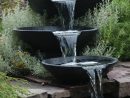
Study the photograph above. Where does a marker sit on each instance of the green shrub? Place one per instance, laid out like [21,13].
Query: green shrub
[112,19]
[11,46]
[116,32]
[105,19]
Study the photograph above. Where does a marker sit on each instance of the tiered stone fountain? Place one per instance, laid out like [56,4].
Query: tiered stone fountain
[70,69]
[76,67]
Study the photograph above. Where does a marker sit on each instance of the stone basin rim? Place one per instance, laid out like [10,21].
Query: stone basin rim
[42,29]
[112,62]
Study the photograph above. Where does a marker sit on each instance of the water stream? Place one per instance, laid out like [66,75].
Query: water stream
[68,40]
[95,76]
[70,5]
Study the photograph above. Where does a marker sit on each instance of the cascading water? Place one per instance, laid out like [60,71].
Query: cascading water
[70,4]
[95,76]
[68,41]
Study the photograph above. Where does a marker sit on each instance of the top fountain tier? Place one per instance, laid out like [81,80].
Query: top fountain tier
[81,7]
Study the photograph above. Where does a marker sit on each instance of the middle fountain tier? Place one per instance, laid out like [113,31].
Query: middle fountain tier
[44,40]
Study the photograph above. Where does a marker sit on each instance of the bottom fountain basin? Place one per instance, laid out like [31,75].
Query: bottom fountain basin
[74,74]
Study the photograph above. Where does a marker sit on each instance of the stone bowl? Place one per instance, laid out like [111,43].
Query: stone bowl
[71,74]
[43,39]
[81,7]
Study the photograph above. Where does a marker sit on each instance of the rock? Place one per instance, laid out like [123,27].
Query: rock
[121,74]
[125,64]
[38,91]
[37,94]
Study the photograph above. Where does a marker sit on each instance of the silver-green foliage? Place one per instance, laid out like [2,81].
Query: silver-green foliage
[105,18]
[10,45]
[30,62]
[100,50]
[21,17]
[88,20]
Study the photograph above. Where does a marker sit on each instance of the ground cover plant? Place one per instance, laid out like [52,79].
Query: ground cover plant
[7,90]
